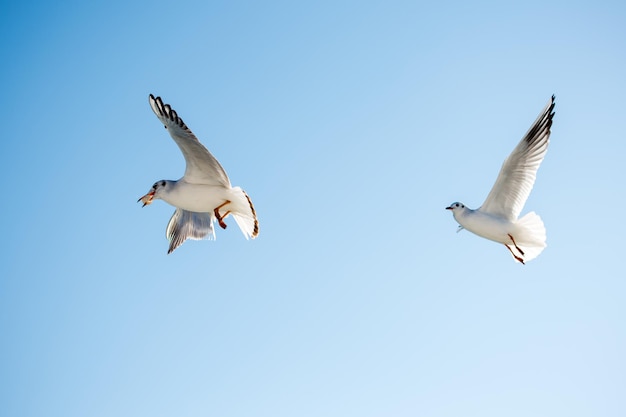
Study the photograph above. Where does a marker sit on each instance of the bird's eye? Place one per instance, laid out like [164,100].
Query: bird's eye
[162,183]
[456,205]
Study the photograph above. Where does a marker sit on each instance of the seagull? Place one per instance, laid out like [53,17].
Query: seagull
[203,194]
[497,219]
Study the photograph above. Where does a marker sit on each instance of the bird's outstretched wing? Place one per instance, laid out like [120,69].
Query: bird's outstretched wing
[202,167]
[519,170]
[188,225]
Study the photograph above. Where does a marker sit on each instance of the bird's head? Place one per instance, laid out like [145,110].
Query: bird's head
[455,207]
[155,192]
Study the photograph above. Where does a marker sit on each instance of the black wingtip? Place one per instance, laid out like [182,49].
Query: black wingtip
[165,110]
[550,110]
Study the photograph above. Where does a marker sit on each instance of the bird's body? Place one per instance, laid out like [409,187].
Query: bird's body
[485,225]
[204,194]
[525,238]
[497,219]
[199,198]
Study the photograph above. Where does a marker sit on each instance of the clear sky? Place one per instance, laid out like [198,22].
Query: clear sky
[351,125]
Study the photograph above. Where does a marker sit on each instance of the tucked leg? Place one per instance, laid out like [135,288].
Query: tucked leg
[220,218]
[517,258]
[515,244]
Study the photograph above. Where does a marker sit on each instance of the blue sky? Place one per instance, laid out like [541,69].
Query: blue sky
[351,125]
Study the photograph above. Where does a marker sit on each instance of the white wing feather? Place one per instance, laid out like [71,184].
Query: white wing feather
[519,170]
[202,167]
[189,225]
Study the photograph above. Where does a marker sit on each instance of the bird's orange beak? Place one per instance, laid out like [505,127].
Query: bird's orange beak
[147,199]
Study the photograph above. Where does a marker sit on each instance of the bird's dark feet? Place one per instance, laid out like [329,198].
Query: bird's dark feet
[515,244]
[220,218]
[517,258]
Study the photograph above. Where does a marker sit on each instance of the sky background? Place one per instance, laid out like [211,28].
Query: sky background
[351,125]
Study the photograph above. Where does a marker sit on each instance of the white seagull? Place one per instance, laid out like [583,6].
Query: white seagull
[203,194]
[497,218]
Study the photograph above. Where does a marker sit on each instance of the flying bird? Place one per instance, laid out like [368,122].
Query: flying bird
[497,219]
[203,194]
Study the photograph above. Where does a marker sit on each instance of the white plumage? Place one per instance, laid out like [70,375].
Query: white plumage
[497,219]
[203,194]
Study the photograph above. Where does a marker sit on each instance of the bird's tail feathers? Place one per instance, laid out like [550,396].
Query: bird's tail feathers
[531,236]
[243,211]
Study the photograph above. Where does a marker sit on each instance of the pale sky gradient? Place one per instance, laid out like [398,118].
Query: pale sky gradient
[351,125]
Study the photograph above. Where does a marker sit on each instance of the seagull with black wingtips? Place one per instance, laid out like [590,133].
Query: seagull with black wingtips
[204,194]
[497,219]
